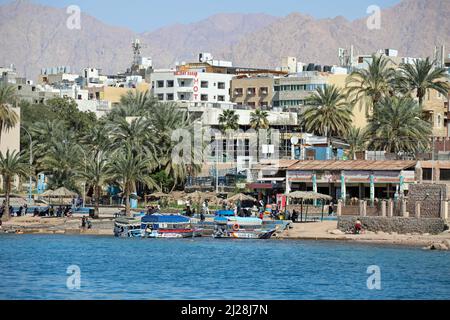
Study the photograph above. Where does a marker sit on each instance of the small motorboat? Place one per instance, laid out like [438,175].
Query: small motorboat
[241,228]
[167,226]
[126,227]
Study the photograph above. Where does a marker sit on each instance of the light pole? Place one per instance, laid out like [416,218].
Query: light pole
[30,187]
[84,182]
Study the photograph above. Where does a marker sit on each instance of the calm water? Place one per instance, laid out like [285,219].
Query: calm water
[35,266]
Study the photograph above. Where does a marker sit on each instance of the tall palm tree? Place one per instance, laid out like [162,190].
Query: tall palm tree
[229,120]
[96,171]
[372,84]
[422,76]
[328,114]
[8,117]
[164,121]
[259,120]
[12,164]
[357,140]
[128,167]
[396,126]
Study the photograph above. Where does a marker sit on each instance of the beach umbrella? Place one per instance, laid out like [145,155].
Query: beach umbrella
[63,193]
[240,197]
[308,195]
[47,193]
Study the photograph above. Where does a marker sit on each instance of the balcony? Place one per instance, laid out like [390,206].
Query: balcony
[238,92]
[251,91]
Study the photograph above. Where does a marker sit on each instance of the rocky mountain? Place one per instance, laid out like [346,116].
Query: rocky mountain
[35,36]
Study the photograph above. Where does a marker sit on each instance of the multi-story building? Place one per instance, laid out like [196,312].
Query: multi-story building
[254,92]
[194,87]
[291,91]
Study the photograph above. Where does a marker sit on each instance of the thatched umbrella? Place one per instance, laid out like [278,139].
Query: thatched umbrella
[63,193]
[241,197]
[308,195]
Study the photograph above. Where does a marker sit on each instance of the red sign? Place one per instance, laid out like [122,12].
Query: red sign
[186,73]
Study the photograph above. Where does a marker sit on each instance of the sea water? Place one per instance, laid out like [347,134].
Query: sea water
[88,267]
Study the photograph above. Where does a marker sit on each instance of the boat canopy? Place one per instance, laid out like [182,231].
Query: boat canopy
[225,213]
[238,220]
[158,218]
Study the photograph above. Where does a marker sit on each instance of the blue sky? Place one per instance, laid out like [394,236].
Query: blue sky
[147,15]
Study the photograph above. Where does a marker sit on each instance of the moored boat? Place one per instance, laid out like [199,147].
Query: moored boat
[167,226]
[241,228]
[126,227]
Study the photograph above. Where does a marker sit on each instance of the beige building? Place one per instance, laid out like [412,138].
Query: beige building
[10,140]
[113,94]
[256,91]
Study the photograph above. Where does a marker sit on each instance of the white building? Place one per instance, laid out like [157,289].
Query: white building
[194,87]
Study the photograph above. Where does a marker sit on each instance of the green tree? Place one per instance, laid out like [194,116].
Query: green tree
[8,117]
[328,114]
[12,164]
[96,171]
[372,84]
[357,140]
[229,120]
[422,76]
[396,126]
[128,167]
[259,119]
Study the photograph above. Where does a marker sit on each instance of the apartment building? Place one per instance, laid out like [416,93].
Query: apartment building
[194,87]
[291,91]
[255,92]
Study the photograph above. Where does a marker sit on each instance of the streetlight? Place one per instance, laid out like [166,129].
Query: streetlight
[30,188]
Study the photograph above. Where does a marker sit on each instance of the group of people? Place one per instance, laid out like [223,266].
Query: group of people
[85,223]
[153,209]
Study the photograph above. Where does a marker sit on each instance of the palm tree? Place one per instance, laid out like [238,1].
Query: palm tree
[328,114]
[8,117]
[259,120]
[129,167]
[423,76]
[96,171]
[396,126]
[165,120]
[229,120]
[12,164]
[357,140]
[372,84]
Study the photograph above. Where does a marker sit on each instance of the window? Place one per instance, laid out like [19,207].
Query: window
[169,97]
[204,84]
[33,89]
[252,104]
[204,97]
[264,104]
[19,88]
[427,174]
[251,91]
[221,98]
[221,85]
[444,174]
[160,97]
[160,84]
[264,91]
[169,83]
[238,91]
[79,97]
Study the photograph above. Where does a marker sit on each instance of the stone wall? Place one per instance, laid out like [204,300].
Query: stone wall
[400,225]
[429,196]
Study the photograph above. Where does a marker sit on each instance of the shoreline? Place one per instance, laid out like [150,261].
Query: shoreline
[320,231]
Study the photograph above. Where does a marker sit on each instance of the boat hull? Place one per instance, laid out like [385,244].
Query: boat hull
[245,235]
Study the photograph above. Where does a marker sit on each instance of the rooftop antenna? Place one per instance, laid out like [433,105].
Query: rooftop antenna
[136,46]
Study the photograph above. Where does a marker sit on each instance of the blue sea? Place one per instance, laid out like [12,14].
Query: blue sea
[84,267]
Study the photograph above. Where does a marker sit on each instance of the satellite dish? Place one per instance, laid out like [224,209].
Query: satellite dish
[294,140]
